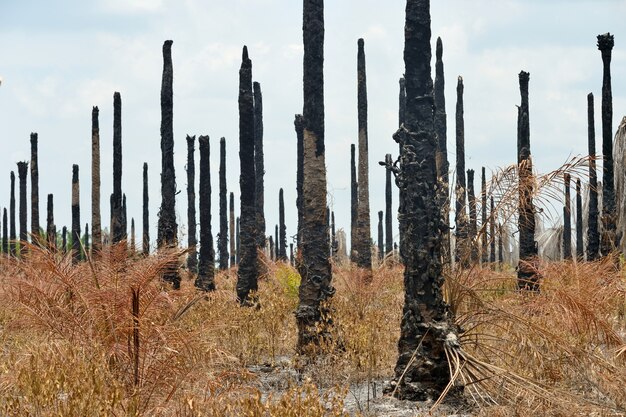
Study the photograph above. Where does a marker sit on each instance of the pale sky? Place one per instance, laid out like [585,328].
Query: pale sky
[61,58]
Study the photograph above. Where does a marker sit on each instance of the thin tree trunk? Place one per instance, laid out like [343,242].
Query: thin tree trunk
[299,126]
[22,173]
[86,239]
[354,206]
[492,233]
[96,226]
[364,250]
[333,237]
[580,256]
[64,240]
[5,233]
[608,241]
[259,169]
[527,277]
[483,224]
[312,314]
[473,218]
[276,244]
[222,239]
[12,232]
[146,217]
[388,215]
[167,236]
[462,247]
[50,223]
[117,220]
[248,272]
[34,189]
[381,237]
[192,256]
[271,245]
[291,254]
[593,235]
[237,243]
[124,218]
[282,247]
[206,268]
[567,220]
[422,370]
[75,215]
[232,231]
[500,247]
[133,242]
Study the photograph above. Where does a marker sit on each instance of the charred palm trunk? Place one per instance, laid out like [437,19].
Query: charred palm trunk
[492,233]
[232,230]
[206,268]
[64,240]
[22,172]
[354,206]
[291,254]
[168,229]
[500,247]
[146,222]
[34,188]
[299,126]
[75,215]
[441,157]
[388,215]
[124,218]
[237,244]
[527,277]
[462,246]
[593,235]
[364,255]
[248,272]
[381,237]
[12,232]
[567,221]
[401,118]
[609,236]
[282,247]
[333,237]
[271,246]
[222,239]
[483,224]
[117,214]
[473,218]
[259,168]
[96,227]
[50,232]
[5,232]
[312,315]
[192,256]
[579,223]
[276,244]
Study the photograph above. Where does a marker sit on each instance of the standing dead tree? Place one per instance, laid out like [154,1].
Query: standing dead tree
[192,255]
[259,165]
[483,200]
[282,229]
[401,118]
[146,222]
[567,220]
[232,229]
[222,237]
[50,229]
[593,234]
[34,189]
[206,268]
[388,209]
[22,172]
[5,232]
[12,231]
[76,250]
[473,219]
[96,225]
[462,247]
[118,229]
[381,237]
[579,223]
[492,232]
[354,205]
[299,126]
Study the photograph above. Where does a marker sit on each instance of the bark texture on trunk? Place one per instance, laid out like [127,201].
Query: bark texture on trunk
[96,222]
[462,245]
[167,236]
[567,220]
[401,118]
[473,218]
[22,173]
[222,238]
[50,232]
[282,235]
[146,216]
[593,234]
[259,164]
[312,315]
[232,230]
[34,189]
[354,206]
[333,237]
[364,250]
[527,276]
[299,126]
[192,241]
[75,215]
[117,214]
[580,254]
[206,268]
[5,232]
[422,370]
[388,214]
[608,241]
[492,232]
[248,273]
[12,231]
[483,224]
[381,237]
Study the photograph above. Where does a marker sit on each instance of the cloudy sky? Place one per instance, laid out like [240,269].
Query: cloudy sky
[61,58]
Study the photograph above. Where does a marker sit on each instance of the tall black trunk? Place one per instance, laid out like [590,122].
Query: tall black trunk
[133,242]
[192,256]
[117,215]
[473,218]
[64,240]
[579,223]
[167,233]
[527,277]
[75,215]
[500,246]
[232,230]
[483,224]
[492,232]
[381,237]
[50,232]
[124,218]
[282,237]
[96,225]
[34,188]
[567,220]
[462,247]
[354,206]
[593,234]
[333,237]
[5,232]
[22,172]
[276,244]
[388,215]
[12,232]
[248,272]
[222,238]
[315,288]
[401,118]
[237,244]
[608,241]
[299,126]
[422,370]
[146,217]
[259,168]
[271,246]
[206,268]
[291,253]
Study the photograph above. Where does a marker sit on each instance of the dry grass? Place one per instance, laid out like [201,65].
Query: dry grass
[73,345]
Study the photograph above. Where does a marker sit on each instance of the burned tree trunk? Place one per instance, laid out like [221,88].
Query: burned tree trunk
[291,254]
[299,126]
[527,277]
[483,224]
[167,236]
[34,189]
[271,246]
[315,289]
[75,215]
[64,240]
[248,272]
[206,268]
[50,232]
[608,241]
[401,118]
[593,234]
[462,247]
[5,233]
[282,236]
[567,220]
[422,369]
[579,223]
[117,214]
[237,244]
[276,244]
[146,222]
[12,232]
[96,227]
[232,230]
[259,168]
[222,239]
[333,237]
[22,172]
[500,246]
[441,156]
[388,215]
[473,219]
[354,206]
[364,251]
[381,237]
[86,239]
[192,256]
[133,242]
[124,218]
[492,233]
